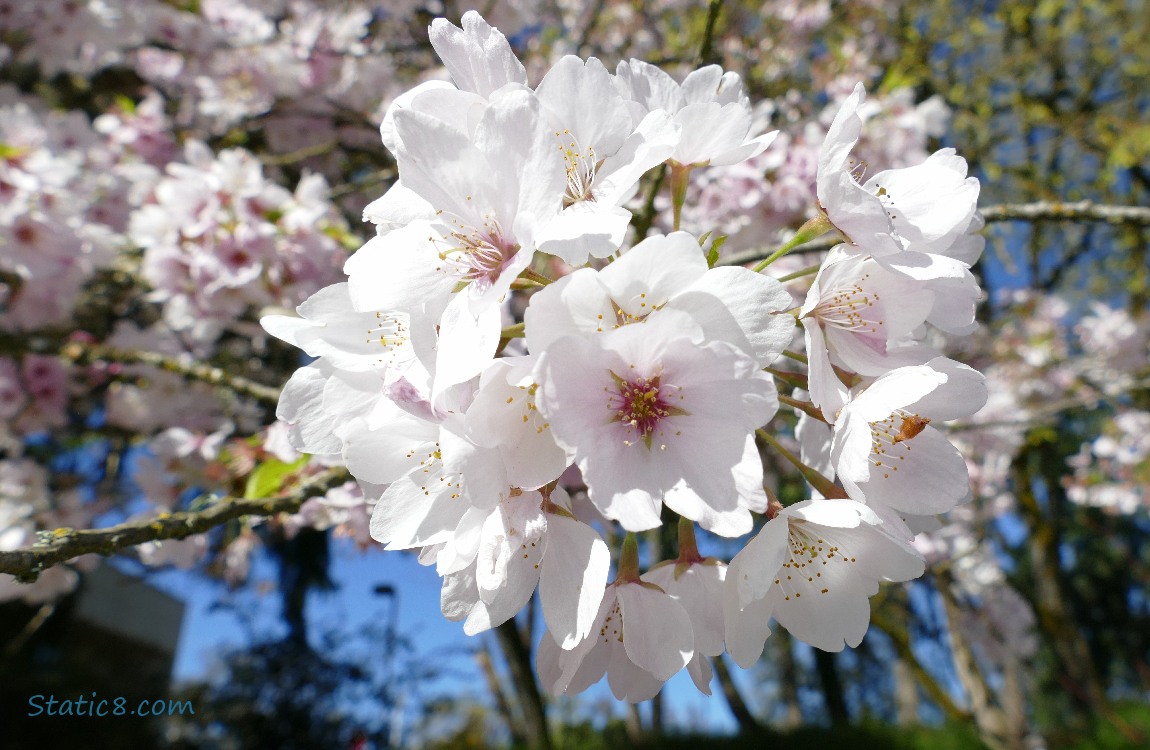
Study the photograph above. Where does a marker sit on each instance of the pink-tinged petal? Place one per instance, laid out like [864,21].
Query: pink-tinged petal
[285,327]
[929,203]
[484,615]
[520,148]
[504,417]
[586,663]
[821,595]
[955,304]
[713,504]
[573,579]
[649,146]
[649,85]
[897,389]
[702,84]
[836,513]
[829,623]
[699,588]
[383,456]
[815,444]
[387,132]
[399,271]
[513,546]
[842,135]
[748,474]
[968,247]
[658,636]
[859,354]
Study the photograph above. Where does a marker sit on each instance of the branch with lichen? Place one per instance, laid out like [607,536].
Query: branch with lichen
[64,544]
[79,353]
[1078,211]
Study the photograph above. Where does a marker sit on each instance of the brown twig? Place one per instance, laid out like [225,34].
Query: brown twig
[85,354]
[65,543]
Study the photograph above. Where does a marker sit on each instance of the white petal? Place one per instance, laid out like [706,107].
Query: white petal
[477,55]
[573,579]
[467,343]
[701,672]
[657,630]
[738,306]
[586,229]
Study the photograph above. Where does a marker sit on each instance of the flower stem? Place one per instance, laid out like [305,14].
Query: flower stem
[680,175]
[688,549]
[813,229]
[629,560]
[533,275]
[793,379]
[825,486]
[514,331]
[804,406]
[795,356]
[809,270]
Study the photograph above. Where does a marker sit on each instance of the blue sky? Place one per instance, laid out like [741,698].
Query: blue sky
[210,629]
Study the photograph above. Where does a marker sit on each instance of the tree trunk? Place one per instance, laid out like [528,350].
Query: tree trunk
[748,725]
[1075,662]
[832,687]
[518,655]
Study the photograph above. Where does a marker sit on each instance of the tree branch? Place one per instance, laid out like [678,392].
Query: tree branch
[85,354]
[65,543]
[1078,211]
[1040,211]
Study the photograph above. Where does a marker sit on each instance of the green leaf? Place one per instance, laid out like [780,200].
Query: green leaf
[713,251]
[268,478]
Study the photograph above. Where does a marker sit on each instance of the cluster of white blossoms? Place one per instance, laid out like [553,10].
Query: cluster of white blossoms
[643,366]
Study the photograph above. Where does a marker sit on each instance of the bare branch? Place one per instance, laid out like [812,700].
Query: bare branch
[1041,211]
[1078,211]
[64,543]
[86,354]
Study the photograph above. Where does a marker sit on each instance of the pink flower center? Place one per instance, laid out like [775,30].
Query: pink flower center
[642,404]
[477,256]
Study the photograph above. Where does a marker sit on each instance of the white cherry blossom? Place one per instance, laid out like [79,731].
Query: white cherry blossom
[886,451]
[861,316]
[709,105]
[639,638]
[665,273]
[654,414]
[812,568]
